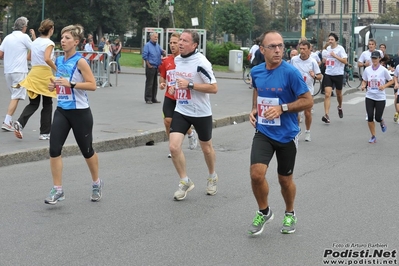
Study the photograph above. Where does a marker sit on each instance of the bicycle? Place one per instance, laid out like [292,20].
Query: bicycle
[246,76]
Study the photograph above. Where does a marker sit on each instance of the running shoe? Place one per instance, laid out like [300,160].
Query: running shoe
[383,126]
[325,119]
[184,187]
[307,136]
[18,130]
[192,141]
[54,196]
[395,117]
[373,139]
[7,127]
[169,155]
[96,191]
[44,136]
[211,186]
[259,222]
[289,223]
[340,113]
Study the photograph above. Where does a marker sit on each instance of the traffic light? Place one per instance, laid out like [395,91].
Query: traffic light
[307,9]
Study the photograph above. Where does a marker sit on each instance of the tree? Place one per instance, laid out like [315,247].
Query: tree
[234,18]
[390,17]
[158,10]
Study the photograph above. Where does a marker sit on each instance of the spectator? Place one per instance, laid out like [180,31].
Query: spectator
[89,46]
[116,52]
[152,56]
[101,45]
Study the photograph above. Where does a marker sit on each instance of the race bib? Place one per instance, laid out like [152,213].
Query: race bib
[182,96]
[330,63]
[64,94]
[170,78]
[265,103]
[374,84]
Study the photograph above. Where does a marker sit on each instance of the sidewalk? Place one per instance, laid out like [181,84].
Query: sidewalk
[121,117]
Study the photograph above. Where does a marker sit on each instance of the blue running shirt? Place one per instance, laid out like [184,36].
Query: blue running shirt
[68,98]
[283,84]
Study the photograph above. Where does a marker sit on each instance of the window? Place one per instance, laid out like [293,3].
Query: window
[345,26]
[382,4]
[345,7]
[333,6]
[320,7]
[332,26]
[361,6]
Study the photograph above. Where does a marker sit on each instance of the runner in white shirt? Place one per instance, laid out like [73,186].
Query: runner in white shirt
[374,79]
[396,87]
[336,58]
[14,49]
[365,58]
[253,49]
[310,71]
[194,81]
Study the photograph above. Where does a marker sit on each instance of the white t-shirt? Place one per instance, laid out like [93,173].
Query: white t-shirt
[252,51]
[88,47]
[376,78]
[366,56]
[315,56]
[396,72]
[333,66]
[304,66]
[199,70]
[39,46]
[15,47]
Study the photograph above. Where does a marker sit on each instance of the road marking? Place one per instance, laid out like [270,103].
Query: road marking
[357,100]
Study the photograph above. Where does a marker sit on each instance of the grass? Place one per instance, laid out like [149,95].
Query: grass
[135,60]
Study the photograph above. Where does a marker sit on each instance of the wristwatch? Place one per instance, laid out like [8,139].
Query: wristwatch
[73,84]
[190,85]
[284,107]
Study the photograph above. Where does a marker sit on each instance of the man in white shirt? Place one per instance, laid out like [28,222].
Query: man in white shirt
[335,60]
[253,50]
[14,50]
[310,71]
[194,82]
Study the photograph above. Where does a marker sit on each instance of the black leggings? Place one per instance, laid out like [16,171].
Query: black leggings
[45,116]
[81,122]
[378,106]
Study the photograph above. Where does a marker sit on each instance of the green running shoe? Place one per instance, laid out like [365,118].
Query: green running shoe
[289,224]
[259,222]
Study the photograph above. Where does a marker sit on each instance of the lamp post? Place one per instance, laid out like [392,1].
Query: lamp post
[250,32]
[214,3]
[43,9]
[203,14]
[340,25]
[352,54]
[7,16]
[318,24]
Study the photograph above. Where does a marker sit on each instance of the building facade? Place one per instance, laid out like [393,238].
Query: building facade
[328,16]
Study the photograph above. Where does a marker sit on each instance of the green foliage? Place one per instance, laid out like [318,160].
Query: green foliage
[234,18]
[158,10]
[390,17]
[218,54]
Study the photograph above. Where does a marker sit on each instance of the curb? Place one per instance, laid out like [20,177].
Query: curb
[141,139]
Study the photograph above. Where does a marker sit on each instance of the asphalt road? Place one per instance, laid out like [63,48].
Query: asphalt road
[346,200]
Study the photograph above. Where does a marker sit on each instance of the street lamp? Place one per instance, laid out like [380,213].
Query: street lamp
[214,3]
[43,9]
[7,16]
